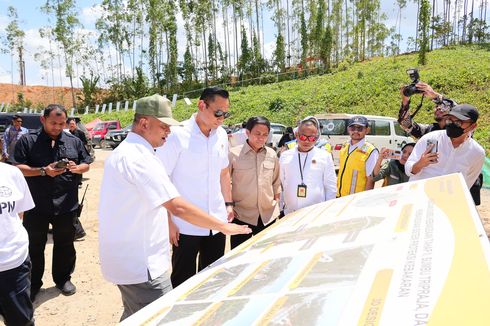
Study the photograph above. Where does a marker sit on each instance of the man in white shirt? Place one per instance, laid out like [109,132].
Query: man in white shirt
[134,198]
[196,159]
[448,151]
[307,173]
[15,265]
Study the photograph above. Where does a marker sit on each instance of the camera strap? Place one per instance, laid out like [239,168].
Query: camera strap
[418,107]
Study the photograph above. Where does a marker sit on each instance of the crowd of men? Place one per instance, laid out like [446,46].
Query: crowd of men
[177,185]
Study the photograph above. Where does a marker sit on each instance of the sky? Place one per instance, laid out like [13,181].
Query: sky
[31,19]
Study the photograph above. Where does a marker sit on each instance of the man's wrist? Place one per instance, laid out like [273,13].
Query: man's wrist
[42,171]
[229,203]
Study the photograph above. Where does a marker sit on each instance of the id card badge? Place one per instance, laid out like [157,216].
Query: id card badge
[301,191]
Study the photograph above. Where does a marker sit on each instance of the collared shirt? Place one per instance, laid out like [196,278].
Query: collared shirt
[10,138]
[133,224]
[255,181]
[194,163]
[14,199]
[58,195]
[318,176]
[371,161]
[467,158]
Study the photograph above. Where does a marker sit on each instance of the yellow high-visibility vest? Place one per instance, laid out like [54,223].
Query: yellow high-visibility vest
[352,170]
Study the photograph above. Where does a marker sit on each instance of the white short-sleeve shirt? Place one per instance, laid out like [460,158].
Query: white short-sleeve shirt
[318,175]
[133,224]
[467,158]
[14,199]
[194,163]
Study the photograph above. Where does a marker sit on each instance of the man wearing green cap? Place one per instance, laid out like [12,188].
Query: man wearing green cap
[135,196]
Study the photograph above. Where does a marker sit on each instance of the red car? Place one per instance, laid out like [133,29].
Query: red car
[101,129]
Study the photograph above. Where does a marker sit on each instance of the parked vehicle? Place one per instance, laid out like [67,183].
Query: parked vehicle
[114,137]
[277,130]
[32,121]
[101,129]
[385,132]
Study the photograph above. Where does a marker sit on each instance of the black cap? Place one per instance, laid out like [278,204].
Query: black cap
[358,120]
[464,112]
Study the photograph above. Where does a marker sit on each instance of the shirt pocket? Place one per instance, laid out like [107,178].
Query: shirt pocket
[71,154]
[268,170]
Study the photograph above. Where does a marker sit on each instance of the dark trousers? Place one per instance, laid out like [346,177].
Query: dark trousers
[210,249]
[64,254]
[238,239]
[15,290]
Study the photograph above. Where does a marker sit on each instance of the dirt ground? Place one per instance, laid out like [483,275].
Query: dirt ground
[98,302]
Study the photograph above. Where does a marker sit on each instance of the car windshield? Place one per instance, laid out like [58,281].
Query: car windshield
[99,126]
[278,129]
[333,126]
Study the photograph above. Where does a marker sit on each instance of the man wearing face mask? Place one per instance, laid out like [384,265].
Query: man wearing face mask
[449,151]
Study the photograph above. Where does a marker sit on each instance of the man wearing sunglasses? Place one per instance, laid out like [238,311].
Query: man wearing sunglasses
[449,151]
[357,159]
[10,138]
[196,159]
[307,172]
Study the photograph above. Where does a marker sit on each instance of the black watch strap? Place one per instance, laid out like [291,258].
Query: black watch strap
[229,203]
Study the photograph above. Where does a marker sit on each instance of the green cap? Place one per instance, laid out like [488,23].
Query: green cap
[156,106]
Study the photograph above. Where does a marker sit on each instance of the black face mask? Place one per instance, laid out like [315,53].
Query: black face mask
[453,131]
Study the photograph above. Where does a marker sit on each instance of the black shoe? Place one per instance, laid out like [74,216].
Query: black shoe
[80,235]
[68,288]
[34,293]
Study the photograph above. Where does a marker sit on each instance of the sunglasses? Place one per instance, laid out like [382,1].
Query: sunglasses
[356,128]
[221,113]
[18,121]
[311,139]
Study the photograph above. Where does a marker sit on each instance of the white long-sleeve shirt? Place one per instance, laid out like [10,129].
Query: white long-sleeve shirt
[467,158]
[318,175]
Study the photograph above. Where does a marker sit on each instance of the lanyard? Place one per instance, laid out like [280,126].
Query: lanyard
[302,169]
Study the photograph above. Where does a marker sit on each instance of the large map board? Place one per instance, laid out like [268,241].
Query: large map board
[410,254]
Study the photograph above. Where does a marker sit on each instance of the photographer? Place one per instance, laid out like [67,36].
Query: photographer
[443,105]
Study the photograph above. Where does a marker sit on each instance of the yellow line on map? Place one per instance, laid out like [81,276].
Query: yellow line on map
[213,274]
[403,219]
[155,315]
[345,206]
[248,278]
[464,297]
[272,311]
[208,313]
[373,307]
[322,211]
[299,278]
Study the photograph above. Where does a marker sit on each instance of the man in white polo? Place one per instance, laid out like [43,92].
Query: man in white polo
[134,198]
[196,159]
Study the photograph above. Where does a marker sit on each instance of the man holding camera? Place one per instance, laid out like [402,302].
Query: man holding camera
[52,162]
[443,105]
[449,151]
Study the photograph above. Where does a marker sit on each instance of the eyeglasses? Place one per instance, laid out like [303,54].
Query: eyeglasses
[311,139]
[356,128]
[18,121]
[456,122]
[220,113]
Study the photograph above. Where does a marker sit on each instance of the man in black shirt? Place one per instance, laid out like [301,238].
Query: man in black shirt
[72,126]
[54,188]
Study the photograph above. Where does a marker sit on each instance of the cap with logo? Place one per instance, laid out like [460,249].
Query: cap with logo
[358,120]
[156,106]
[464,112]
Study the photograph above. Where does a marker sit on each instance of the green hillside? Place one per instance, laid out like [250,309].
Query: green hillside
[372,87]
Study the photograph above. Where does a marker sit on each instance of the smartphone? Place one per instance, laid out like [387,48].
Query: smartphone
[394,154]
[430,142]
[61,164]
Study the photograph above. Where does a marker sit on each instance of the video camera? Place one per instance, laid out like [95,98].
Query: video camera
[411,89]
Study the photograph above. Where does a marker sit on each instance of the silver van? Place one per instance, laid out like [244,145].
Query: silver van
[385,132]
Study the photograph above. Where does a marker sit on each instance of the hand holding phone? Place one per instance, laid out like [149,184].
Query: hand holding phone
[432,142]
[61,164]
[393,154]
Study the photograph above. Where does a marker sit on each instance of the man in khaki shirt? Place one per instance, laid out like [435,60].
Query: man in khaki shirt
[254,170]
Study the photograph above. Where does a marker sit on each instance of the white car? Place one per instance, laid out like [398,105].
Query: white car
[385,132]
[277,131]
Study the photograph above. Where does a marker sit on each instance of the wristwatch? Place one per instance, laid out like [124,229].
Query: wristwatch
[229,203]
[42,172]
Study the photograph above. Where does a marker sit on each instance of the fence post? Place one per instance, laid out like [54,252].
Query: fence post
[1,107]
[103,107]
[86,110]
[118,105]
[174,100]
[126,104]
[134,105]
[72,112]
[97,108]
[110,107]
